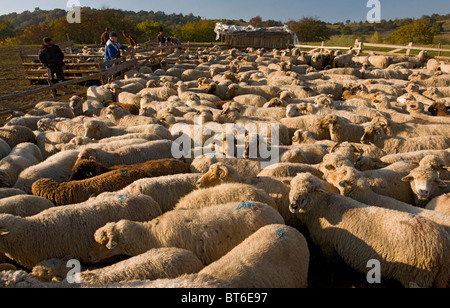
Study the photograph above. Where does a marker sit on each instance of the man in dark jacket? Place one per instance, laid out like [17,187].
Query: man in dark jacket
[52,57]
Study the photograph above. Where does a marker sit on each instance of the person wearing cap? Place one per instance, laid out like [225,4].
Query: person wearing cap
[113,47]
[52,57]
[162,40]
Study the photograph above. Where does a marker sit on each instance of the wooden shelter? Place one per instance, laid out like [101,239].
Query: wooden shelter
[268,38]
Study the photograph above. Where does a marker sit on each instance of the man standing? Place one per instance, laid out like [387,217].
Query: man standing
[162,40]
[52,57]
[113,47]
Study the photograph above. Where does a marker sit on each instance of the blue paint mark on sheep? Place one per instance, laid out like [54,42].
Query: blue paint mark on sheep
[123,197]
[324,146]
[280,233]
[412,215]
[244,205]
[124,172]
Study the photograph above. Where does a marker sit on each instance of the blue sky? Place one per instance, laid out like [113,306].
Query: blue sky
[282,10]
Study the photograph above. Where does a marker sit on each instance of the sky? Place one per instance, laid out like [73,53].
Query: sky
[279,10]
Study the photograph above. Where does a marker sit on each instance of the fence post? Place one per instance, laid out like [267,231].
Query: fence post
[321,47]
[408,51]
[439,52]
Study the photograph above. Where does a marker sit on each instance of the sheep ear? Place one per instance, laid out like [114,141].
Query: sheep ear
[111,244]
[320,190]
[286,182]
[408,178]
[4,231]
[441,183]
[344,184]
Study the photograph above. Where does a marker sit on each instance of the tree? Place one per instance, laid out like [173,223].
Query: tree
[150,28]
[346,30]
[199,31]
[375,38]
[310,29]
[6,30]
[419,31]
[256,21]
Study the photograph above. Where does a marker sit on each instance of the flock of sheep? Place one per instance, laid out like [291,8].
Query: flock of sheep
[363,148]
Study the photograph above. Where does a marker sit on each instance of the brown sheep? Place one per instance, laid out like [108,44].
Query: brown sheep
[439,109]
[80,191]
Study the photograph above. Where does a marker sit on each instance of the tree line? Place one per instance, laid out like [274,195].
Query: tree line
[30,27]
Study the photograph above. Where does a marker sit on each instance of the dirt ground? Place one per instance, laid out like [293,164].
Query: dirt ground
[12,80]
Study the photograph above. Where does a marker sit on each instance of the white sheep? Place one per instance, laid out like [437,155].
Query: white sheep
[130,155]
[440,204]
[425,185]
[57,167]
[209,232]
[358,233]
[22,156]
[353,184]
[151,265]
[24,205]
[165,190]
[57,230]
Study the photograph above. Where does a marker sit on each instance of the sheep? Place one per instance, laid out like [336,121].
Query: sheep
[160,94]
[341,130]
[425,185]
[24,205]
[209,232]
[151,265]
[409,130]
[140,153]
[5,149]
[99,130]
[440,204]
[222,194]
[165,190]
[122,117]
[378,179]
[60,227]
[268,92]
[100,94]
[391,145]
[13,135]
[257,252]
[10,192]
[88,108]
[378,61]
[352,183]
[437,164]
[48,142]
[80,191]
[358,233]
[250,167]
[29,121]
[57,167]
[62,125]
[309,123]
[23,155]
[439,109]
[281,170]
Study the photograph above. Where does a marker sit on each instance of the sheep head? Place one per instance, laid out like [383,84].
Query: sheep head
[294,156]
[88,154]
[371,134]
[5,179]
[328,121]
[435,163]
[106,242]
[217,174]
[346,179]
[301,136]
[292,111]
[424,182]
[304,187]
[414,107]
[331,162]
[439,108]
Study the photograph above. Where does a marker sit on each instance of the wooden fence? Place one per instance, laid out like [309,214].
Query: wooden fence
[361,47]
[118,67]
